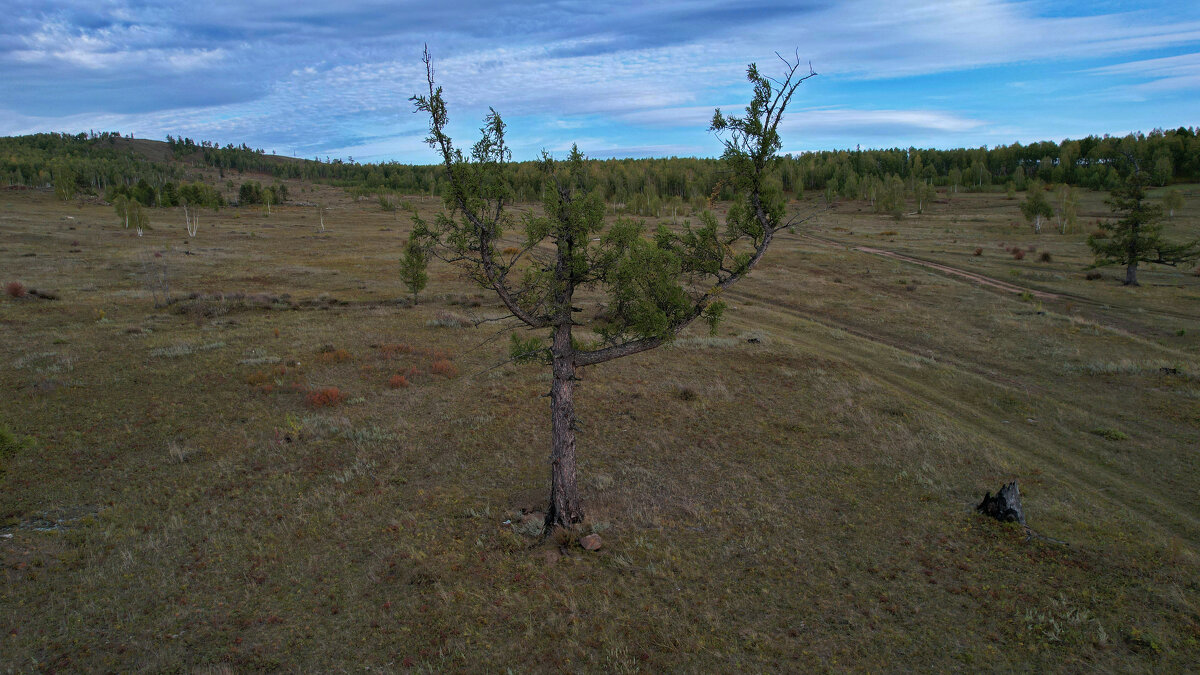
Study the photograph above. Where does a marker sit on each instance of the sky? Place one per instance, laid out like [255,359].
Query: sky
[620,79]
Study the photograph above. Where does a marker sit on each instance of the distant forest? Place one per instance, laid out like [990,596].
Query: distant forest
[107,164]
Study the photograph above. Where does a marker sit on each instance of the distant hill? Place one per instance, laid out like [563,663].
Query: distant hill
[96,162]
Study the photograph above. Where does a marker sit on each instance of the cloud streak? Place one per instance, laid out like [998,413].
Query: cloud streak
[636,77]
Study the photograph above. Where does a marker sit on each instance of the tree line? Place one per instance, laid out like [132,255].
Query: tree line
[93,162]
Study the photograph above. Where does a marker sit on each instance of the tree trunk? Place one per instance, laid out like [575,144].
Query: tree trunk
[565,508]
[1131,274]
[1005,505]
[1132,253]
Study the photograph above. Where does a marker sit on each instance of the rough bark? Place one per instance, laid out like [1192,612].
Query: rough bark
[1005,505]
[565,508]
[1131,274]
[1131,269]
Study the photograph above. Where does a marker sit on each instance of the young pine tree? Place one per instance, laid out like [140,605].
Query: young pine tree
[412,267]
[1136,236]
[652,284]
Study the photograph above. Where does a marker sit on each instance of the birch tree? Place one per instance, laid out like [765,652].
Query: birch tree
[1035,207]
[1172,201]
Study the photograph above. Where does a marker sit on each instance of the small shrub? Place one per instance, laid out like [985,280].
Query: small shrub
[1018,254]
[979,250]
[443,367]
[1100,234]
[1045,257]
[685,393]
[328,354]
[1111,434]
[324,397]
[15,289]
[393,349]
[511,250]
[398,382]
[11,444]
[258,378]
[1094,275]
[436,354]
[888,233]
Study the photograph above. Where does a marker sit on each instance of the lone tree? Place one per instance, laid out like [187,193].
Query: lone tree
[1136,236]
[652,285]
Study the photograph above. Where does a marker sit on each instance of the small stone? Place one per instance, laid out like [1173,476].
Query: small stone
[590,542]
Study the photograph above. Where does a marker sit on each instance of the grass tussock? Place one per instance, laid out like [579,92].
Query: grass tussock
[446,319]
[1133,367]
[185,349]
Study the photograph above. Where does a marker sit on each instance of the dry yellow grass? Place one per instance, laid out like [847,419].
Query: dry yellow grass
[798,502]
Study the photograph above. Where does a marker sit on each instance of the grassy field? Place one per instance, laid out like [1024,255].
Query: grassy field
[186,492]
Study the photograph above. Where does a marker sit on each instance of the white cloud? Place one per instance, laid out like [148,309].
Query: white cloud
[829,120]
[322,82]
[132,46]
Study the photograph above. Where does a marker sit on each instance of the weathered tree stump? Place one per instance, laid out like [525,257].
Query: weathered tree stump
[1005,505]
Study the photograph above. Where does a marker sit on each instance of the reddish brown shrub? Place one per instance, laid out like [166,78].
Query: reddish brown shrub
[324,397]
[15,289]
[333,355]
[390,350]
[444,367]
[438,354]
[398,381]
[1018,254]
[979,250]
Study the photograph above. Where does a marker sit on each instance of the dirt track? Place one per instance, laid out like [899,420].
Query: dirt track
[977,278]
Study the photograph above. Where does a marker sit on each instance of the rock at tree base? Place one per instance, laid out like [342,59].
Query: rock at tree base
[1005,506]
[591,542]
